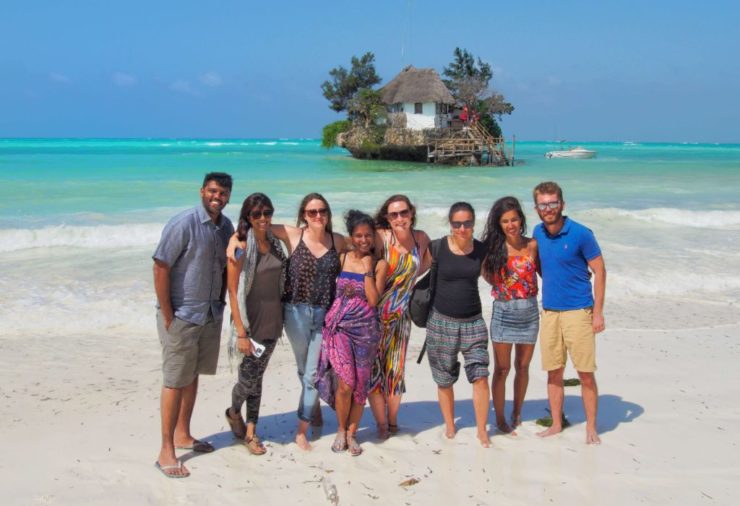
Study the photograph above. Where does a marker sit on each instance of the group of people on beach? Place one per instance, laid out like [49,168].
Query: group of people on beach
[343,302]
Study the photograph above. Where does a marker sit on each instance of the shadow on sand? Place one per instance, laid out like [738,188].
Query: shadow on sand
[421,416]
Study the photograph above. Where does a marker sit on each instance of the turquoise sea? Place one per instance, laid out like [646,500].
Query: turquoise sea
[80,217]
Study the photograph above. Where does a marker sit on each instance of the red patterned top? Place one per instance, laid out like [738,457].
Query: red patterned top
[520,280]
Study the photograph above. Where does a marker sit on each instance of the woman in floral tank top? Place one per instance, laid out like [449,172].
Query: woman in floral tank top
[511,266]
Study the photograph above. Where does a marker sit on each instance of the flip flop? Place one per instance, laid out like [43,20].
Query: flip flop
[199,447]
[164,470]
[238,427]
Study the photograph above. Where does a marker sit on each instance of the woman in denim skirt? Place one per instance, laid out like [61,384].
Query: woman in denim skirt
[511,265]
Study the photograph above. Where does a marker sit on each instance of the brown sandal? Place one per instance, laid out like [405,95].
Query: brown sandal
[238,427]
[255,446]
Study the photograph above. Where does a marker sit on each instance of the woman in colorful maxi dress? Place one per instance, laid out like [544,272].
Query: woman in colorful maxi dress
[351,333]
[406,252]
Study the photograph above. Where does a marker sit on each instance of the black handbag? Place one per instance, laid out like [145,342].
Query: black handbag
[422,297]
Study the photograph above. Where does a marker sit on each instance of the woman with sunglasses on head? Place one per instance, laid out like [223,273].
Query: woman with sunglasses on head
[310,282]
[255,285]
[313,268]
[406,252]
[455,325]
[511,266]
[351,332]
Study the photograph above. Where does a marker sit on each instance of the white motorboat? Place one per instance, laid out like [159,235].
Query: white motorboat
[578,152]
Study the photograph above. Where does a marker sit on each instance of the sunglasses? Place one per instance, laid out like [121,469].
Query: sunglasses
[313,213]
[467,224]
[404,213]
[265,213]
[548,205]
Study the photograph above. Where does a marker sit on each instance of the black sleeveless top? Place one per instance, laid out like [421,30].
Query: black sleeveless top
[456,293]
[312,280]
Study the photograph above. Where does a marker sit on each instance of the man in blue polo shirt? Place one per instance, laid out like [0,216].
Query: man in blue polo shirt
[189,279]
[572,314]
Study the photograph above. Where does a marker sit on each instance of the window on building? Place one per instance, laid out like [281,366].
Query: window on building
[417,108]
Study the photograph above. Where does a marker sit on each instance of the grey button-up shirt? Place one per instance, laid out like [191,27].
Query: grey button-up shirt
[195,250]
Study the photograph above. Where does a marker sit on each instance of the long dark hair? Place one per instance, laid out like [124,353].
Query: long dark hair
[381,217]
[301,220]
[494,238]
[254,201]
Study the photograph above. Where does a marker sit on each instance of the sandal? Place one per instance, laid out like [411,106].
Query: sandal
[255,446]
[238,427]
[393,429]
[340,442]
[354,447]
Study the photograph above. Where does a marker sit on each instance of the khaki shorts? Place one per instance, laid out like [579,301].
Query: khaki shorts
[188,350]
[570,331]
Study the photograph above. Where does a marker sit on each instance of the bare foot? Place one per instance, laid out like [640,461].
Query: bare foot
[504,428]
[450,432]
[485,442]
[516,421]
[302,441]
[592,438]
[550,431]
[383,431]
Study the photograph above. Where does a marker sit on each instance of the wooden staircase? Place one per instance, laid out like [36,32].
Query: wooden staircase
[472,144]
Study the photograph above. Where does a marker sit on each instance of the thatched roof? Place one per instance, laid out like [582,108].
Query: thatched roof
[416,85]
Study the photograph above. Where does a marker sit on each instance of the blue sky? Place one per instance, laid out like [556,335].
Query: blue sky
[628,70]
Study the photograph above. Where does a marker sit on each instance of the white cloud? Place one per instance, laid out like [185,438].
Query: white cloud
[59,78]
[124,80]
[183,86]
[211,79]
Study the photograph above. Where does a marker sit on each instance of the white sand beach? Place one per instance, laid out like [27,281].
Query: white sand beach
[81,426]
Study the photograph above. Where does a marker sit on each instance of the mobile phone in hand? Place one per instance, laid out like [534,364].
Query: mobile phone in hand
[259,349]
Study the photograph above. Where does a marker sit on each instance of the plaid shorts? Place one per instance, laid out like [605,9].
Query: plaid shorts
[446,337]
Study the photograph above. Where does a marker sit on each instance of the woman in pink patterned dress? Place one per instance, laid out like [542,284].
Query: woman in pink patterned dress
[351,333]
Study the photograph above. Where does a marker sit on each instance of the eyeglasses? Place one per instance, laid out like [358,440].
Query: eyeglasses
[543,206]
[265,213]
[313,213]
[467,224]
[394,215]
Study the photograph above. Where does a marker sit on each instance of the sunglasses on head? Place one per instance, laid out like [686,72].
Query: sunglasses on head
[403,213]
[313,213]
[264,213]
[467,224]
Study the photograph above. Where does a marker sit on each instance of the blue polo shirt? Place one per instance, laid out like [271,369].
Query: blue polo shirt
[566,283]
[195,249]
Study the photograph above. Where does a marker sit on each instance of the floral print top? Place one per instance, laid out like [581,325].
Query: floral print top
[519,281]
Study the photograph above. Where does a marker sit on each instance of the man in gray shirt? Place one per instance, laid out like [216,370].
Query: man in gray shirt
[189,279]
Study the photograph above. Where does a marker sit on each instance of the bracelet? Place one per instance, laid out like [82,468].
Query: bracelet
[245,337]
[370,274]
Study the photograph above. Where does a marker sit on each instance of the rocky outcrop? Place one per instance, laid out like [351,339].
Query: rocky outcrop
[387,143]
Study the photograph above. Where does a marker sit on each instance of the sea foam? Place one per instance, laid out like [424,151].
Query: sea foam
[100,236]
[713,219]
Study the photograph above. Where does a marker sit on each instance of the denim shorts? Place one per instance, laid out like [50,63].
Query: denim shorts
[515,321]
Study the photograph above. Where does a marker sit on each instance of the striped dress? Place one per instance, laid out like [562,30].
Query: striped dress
[395,322]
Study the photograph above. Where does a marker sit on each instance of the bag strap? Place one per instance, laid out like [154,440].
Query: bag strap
[434,246]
